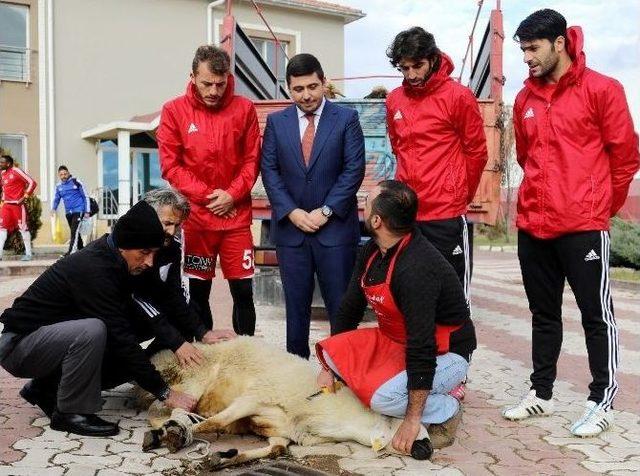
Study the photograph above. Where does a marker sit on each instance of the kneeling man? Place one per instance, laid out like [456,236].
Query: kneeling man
[407,365]
[57,332]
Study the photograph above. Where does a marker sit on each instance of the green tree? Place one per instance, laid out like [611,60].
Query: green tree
[625,243]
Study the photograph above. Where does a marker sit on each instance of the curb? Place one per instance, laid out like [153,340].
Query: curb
[498,248]
[628,285]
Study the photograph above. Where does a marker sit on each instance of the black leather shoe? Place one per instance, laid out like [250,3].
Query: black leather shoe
[36,396]
[86,425]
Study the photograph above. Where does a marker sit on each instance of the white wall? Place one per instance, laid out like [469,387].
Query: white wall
[116,59]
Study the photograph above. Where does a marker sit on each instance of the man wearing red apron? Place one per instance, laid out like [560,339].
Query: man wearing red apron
[406,366]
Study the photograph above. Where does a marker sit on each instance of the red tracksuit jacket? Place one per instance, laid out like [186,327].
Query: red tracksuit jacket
[437,136]
[203,148]
[15,183]
[578,149]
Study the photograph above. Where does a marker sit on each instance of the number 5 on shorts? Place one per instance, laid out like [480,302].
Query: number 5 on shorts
[247,259]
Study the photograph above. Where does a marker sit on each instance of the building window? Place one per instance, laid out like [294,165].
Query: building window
[145,175]
[109,189]
[273,55]
[14,42]
[16,146]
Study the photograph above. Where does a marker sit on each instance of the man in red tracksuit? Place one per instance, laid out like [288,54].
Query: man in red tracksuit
[209,145]
[576,143]
[16,185]
[438,139]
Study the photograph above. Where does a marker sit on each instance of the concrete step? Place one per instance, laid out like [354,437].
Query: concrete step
[6,257]
[51,248]
[24,268]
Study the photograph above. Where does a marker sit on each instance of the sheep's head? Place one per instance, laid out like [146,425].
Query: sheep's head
[384,431]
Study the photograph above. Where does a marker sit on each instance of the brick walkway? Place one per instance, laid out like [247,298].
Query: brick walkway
[487,444]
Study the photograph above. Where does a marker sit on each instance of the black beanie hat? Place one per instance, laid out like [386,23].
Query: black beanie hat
[139,228]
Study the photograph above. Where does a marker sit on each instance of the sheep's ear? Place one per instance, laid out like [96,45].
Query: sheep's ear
[383,432]
[378,443]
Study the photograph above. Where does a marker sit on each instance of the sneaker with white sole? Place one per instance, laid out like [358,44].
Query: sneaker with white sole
[529,406]
[594,421]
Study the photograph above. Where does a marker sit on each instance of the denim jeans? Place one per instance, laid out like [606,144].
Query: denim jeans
[392,397]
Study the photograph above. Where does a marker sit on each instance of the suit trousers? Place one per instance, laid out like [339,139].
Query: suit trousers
[298,265]
[583,260]
[71,351]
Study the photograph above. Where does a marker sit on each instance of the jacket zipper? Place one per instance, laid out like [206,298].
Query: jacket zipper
[544,167]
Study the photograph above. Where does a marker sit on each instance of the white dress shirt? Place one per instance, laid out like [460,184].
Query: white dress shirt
[303,122]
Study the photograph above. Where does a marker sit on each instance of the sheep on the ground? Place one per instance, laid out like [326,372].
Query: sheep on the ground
[249,386]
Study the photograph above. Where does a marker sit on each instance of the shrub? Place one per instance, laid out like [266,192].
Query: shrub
[625,243]
[34,212]
[494,233]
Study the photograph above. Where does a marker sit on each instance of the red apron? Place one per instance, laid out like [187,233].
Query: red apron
[367,358]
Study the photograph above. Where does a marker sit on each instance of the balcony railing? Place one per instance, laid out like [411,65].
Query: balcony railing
[14,63]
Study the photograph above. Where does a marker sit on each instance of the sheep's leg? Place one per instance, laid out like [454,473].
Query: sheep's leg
[223,459]
[241,407]
[159,416]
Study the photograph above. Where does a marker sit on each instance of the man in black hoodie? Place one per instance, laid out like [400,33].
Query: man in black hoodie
[57,331]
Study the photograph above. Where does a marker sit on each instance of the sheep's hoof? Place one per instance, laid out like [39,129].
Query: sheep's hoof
[175,436]
[422,449]
[229,453]
[222,459]
[151,440]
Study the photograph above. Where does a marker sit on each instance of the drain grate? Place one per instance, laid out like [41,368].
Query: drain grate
[280,468]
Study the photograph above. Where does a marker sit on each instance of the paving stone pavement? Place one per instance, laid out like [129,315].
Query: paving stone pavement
[486,443]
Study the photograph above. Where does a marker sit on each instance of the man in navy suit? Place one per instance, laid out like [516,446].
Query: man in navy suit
[312,166]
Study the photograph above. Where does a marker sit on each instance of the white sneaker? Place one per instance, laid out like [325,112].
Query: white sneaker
[593,422]
[529,406]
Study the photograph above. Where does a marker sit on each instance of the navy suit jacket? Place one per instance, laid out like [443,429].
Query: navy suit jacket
[334,174]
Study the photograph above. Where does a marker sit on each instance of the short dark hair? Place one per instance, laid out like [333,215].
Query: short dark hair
[63,167]
[302,65]
[8,158]
[217,59]
[396,205]
[415,43]
[544,24]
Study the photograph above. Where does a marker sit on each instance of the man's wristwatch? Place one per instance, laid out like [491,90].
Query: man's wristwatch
[326,211]
[164,395]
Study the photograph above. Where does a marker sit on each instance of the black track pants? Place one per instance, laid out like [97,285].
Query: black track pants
[583,259]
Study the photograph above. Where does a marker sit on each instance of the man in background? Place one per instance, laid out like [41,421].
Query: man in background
[76,205]
[17,185]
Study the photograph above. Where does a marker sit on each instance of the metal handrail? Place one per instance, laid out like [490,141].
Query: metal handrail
[107,200]
[470,42]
